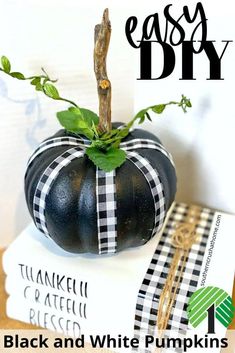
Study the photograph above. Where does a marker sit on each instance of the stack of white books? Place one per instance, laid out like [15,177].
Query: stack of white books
[114,294]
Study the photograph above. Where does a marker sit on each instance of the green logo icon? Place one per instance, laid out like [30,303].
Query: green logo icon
[211,303]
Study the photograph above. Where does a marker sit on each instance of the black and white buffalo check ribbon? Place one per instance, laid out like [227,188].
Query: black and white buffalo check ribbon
[105,185]
[155,277]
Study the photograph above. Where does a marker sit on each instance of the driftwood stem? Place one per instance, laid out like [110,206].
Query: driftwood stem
[102,38]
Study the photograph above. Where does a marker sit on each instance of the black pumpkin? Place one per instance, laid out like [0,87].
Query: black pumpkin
[71,203]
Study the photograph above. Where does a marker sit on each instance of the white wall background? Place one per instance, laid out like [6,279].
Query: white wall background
[58,34]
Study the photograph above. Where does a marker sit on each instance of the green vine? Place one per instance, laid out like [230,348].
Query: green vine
[104,149]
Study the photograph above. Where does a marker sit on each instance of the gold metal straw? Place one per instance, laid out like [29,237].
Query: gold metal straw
[183,238]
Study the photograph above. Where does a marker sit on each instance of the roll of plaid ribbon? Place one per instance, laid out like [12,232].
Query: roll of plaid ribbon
[150,291]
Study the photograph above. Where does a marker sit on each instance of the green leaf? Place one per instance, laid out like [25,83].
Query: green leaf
[116,144]
[68,120]
[188,103]
[35,81]
[6,65]
[39,87]
[82,124]
[51,91]
[86,132]
[148,116]
[123,132]
[89,116]
[17,75]
[141,113]
[75,110]
[94,129]
[141,120]
[99,144]
[106,160]
[74,123]
[158,108]
[108,135]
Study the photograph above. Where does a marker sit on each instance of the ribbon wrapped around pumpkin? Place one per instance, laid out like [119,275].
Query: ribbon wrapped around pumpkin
[84,209]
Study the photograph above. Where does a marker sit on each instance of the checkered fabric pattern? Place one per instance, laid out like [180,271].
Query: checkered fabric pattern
[155,185]
[154,280]
[57,141]
[45,183]
[146,143]
[106,211]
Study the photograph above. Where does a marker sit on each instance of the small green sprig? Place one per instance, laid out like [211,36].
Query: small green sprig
[41,82]
[104,150]
[115,136]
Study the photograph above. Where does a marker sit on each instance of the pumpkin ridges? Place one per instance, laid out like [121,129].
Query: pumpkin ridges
[36,169]
[135,207]
[76,217]
[165,170]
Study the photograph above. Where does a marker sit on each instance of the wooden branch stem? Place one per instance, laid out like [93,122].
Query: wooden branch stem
[102,38]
